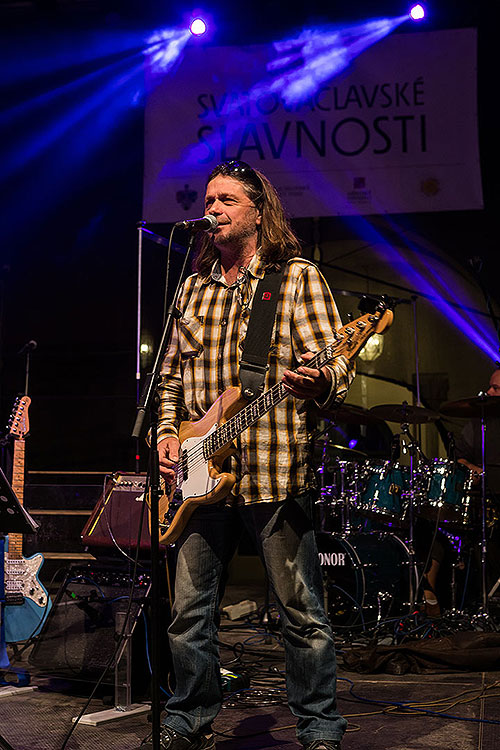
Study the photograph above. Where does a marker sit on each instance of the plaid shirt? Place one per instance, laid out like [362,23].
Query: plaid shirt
[202,361]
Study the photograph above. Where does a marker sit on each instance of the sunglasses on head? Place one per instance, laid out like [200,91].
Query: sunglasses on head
[239,170]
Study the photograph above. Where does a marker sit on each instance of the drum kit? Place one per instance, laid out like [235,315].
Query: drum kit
[368,509]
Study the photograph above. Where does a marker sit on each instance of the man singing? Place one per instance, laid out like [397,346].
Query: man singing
[274,491]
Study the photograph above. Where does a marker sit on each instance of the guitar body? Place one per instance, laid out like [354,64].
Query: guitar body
[200,482]
[26,600]
[25,617]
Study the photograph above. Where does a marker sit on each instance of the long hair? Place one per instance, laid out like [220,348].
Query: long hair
[276,238]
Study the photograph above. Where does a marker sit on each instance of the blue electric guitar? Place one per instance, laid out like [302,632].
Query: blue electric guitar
[26,600]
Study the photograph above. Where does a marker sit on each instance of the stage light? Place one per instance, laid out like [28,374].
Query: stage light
[197,27]
[373,348]
[417,12]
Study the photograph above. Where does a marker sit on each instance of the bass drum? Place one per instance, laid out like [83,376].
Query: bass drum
[366,577]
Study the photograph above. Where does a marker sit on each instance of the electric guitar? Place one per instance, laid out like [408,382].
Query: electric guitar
[206,443]
[26,600]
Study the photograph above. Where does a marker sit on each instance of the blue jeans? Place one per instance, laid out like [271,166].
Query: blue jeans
[285,539]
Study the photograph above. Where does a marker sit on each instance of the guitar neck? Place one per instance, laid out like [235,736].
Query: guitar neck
[348,341]
[16,540]
[256,409]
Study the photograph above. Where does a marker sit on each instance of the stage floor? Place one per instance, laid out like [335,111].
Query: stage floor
[259,718]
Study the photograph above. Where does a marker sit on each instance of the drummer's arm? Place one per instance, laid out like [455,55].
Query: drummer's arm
[476,470]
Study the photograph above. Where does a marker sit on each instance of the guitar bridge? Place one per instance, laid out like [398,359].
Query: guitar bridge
[173,506]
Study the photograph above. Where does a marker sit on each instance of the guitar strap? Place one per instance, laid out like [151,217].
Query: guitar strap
[253,362]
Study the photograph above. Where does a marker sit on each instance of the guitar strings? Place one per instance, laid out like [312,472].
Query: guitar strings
[196,456]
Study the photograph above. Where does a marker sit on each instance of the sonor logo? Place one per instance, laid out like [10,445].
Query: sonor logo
[332,558]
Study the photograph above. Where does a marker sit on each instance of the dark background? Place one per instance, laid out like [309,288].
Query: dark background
[69,213]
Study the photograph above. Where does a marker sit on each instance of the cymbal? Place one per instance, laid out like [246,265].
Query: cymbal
[404,413]
[350,414]
[468,408]
[344,453]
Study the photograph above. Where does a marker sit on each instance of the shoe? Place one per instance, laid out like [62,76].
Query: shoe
[323,745]
[171,740]
[432,609]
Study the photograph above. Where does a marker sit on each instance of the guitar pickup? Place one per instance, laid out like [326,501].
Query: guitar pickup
[14,599]
[184,465]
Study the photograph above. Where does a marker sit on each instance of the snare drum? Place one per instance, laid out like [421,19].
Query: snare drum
[366,577]
[448,493]
[382,496]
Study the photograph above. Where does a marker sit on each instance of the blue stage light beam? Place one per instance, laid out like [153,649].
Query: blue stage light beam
[101,95]
[427,280]
[315,56]
[77,96]
[164,48]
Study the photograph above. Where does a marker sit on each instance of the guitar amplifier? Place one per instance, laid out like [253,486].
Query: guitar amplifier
[79,636]
[115,520]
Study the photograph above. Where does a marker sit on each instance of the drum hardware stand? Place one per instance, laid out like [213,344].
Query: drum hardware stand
[454,588]
[344,501]
[415,451]
[321,472]
[483,612]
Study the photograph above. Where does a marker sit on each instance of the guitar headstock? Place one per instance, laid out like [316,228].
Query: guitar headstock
[380,308]
[18,424]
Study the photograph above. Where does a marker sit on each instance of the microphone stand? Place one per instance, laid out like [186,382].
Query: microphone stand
[483,514]
[483,610]
[149,404]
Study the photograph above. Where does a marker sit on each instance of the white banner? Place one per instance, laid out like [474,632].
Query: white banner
[395,132]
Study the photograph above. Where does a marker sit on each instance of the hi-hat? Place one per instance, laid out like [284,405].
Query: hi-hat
[468,408]
[350,414]
[404,413]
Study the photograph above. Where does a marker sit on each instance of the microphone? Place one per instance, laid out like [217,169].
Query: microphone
[30,346]
[205,224]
